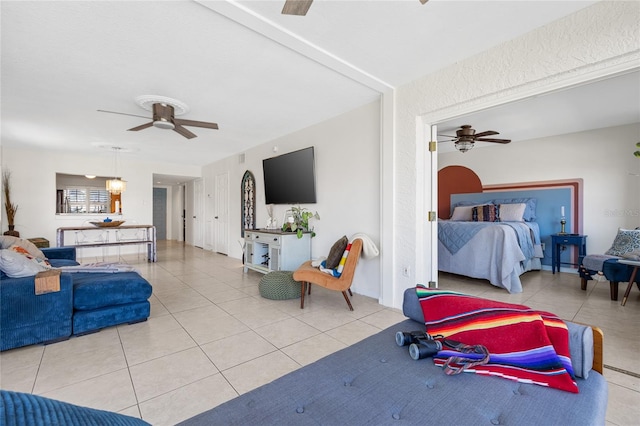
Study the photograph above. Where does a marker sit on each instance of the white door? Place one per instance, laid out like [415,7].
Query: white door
[198,213]
[221,216]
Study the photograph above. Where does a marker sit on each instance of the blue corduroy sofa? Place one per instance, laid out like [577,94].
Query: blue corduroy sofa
[86,302]
[24,409]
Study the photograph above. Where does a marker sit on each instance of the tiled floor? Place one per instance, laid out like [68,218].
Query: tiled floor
[211,337]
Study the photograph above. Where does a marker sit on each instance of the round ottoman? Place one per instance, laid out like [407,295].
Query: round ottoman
[279,285]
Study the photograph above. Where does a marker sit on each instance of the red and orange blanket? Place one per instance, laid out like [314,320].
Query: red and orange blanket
[524,344]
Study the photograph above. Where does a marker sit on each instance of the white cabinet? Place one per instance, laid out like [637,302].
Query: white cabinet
[267,250]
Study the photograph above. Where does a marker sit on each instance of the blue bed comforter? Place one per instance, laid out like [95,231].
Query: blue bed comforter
[455,234]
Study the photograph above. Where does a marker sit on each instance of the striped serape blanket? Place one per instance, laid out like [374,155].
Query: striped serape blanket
[524,344]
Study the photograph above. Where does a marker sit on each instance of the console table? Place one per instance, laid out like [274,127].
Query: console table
[267,250]
[149,240]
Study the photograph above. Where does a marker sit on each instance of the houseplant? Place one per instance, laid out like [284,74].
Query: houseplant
[11,208]
[297,220]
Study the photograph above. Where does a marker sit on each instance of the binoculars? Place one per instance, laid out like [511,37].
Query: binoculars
[421,344]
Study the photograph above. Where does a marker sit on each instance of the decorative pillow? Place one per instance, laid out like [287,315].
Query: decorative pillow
[333,259]
[486,213]
[626,241]
[512,212]
[529,211]
[632,255]
[17,265]
[471,203]
[7,241]
[462,213]
[343,260]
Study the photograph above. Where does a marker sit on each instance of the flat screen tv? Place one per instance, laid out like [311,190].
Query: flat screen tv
[290,178]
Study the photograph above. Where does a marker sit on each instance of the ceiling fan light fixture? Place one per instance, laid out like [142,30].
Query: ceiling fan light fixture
[164,124]
[463,146]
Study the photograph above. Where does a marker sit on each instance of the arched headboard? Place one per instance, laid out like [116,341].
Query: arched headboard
[455,180]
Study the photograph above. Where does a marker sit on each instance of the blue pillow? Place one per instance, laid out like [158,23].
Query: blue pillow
[529,211]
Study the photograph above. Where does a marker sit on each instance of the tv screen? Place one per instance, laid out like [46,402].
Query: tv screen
[290,178]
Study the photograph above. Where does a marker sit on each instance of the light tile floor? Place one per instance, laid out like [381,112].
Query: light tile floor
[212,337]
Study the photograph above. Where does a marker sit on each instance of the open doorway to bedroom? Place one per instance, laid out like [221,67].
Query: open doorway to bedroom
[551,133]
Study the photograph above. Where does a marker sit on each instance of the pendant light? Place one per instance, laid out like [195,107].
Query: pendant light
[116,185]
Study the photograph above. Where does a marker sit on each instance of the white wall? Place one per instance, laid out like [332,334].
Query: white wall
[347,155]
[33,175]
[603,158]
[605,36]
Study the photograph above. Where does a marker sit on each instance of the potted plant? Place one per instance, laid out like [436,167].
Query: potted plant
[297,220]
[11,208]
[637,153]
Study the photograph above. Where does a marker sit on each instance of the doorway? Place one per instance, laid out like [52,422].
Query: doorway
[160,212]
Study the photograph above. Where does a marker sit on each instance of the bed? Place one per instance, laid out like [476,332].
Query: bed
[497,240]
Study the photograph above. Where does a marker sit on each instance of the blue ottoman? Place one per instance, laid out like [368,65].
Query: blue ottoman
[279,285]
[103,300]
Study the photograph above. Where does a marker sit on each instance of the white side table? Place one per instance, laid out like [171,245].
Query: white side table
[636,265]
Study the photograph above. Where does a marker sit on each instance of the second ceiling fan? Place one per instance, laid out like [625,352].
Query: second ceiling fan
[301,7]
[466,136]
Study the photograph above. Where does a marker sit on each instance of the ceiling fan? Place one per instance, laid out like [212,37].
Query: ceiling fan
[466,136]
[301,7]
[164,112]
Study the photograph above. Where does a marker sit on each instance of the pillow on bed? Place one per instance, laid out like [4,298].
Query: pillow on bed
[485,213]
[626,241]
[512,212]
[580,336]
[529,211]
[462,213]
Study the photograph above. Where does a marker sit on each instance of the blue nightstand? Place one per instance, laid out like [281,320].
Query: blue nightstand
[567,240]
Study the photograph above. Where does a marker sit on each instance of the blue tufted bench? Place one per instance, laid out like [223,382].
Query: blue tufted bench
[375,382]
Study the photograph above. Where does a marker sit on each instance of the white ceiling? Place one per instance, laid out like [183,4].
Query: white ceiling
[242,64]
[614,101]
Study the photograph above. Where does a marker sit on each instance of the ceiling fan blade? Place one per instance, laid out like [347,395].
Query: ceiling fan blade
[123,113]
[184,132]
[487,133]
[141,127]
[493,140]
[206,125]
[296,7]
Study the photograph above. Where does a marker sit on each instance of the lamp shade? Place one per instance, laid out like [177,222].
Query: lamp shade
[116,186]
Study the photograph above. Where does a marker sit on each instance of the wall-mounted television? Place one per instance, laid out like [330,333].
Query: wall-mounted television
[290,178]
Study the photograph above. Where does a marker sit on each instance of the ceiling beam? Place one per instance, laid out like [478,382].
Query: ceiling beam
[248,18]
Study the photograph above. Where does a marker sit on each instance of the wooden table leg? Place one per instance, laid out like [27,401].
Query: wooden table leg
[631,281]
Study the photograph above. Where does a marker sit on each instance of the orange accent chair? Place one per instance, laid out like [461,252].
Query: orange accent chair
[307,275]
